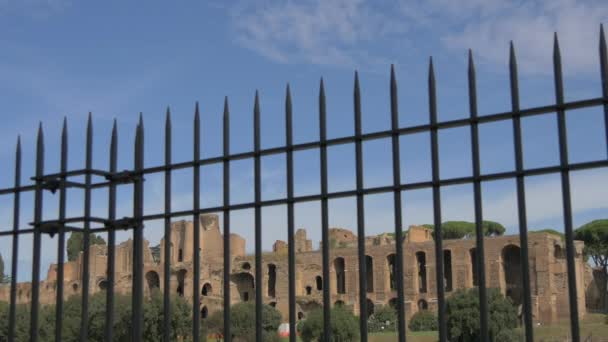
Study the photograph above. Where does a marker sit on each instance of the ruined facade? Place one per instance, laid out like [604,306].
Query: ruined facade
[548,274]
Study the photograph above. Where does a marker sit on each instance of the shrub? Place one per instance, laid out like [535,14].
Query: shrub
[508,335]
[423,320]
[462,313]
[384,319]
[242,322]
[344,325]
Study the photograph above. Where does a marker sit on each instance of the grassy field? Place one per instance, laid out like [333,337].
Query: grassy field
[592,327]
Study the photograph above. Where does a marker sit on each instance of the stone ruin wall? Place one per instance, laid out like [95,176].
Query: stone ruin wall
[548,273]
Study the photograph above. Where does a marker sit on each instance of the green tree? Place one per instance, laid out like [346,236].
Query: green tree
[242,322]
[595,236]
[462,313]
[344,325]
[181,318]
[76,244]
[423,320]
[383,319]
[464,229]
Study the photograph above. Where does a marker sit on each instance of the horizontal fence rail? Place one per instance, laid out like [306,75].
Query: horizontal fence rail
[53,182]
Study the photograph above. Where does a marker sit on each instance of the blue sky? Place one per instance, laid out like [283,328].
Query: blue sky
[66,58]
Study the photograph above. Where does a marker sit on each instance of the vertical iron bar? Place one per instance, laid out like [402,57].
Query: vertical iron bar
[479,235]
[16,206]
[110,273]
[521,194]
[37,236]
[167,238]
[84,317]
[604,76]
[61,236]
[360,214]
[324,215]
[196,300]
[397,205]
[226,186]
[437,206]
[258,218]
[565,178]
[138,235]
[290,217]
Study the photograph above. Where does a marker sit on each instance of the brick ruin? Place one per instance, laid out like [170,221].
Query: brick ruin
[548,274]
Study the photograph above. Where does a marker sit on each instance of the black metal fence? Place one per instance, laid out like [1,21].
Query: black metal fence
[110,224]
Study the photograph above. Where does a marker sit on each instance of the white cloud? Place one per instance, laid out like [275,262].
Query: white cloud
[530,25]
[350,33]
[313,31]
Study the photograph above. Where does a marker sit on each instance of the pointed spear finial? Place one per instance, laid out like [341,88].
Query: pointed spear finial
[512,59]
[226,107]
[556,49]
[288,105]
[471,62]
[394,98]
[64,131]
[18,148]
[141,120]
[256,105]
[322,88]
[196,111]
[431,71]
[168,116]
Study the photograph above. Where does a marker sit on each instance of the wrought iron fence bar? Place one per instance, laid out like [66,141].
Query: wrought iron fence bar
[604,76]
[258,218]
[521,195]
[324,215]
[38,202]
[167,236]
[437,205]
[226,213]
[360,213]
[397,207]
[15,250]
[111,262]
[565,179]
[479,235]
[291,257]
[196,203]
[138,237]
[61,237]
[84,311]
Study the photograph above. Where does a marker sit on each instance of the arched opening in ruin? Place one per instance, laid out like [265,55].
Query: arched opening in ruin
[370,308]
[153,280]
[273,304]
[558,252]
[246,266]
[423,305]
[340,275]
[300,316]
[103,284]
[204,312]
[181,282]
[339,303]
[75,287]
[393,303]
[474,272]
[272,280]
[207,289]
[180,255]
[319,281]
[447,269]
[308,290]
[245,285]
[369,277]
[511,262]
[391,261]
[421,262]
